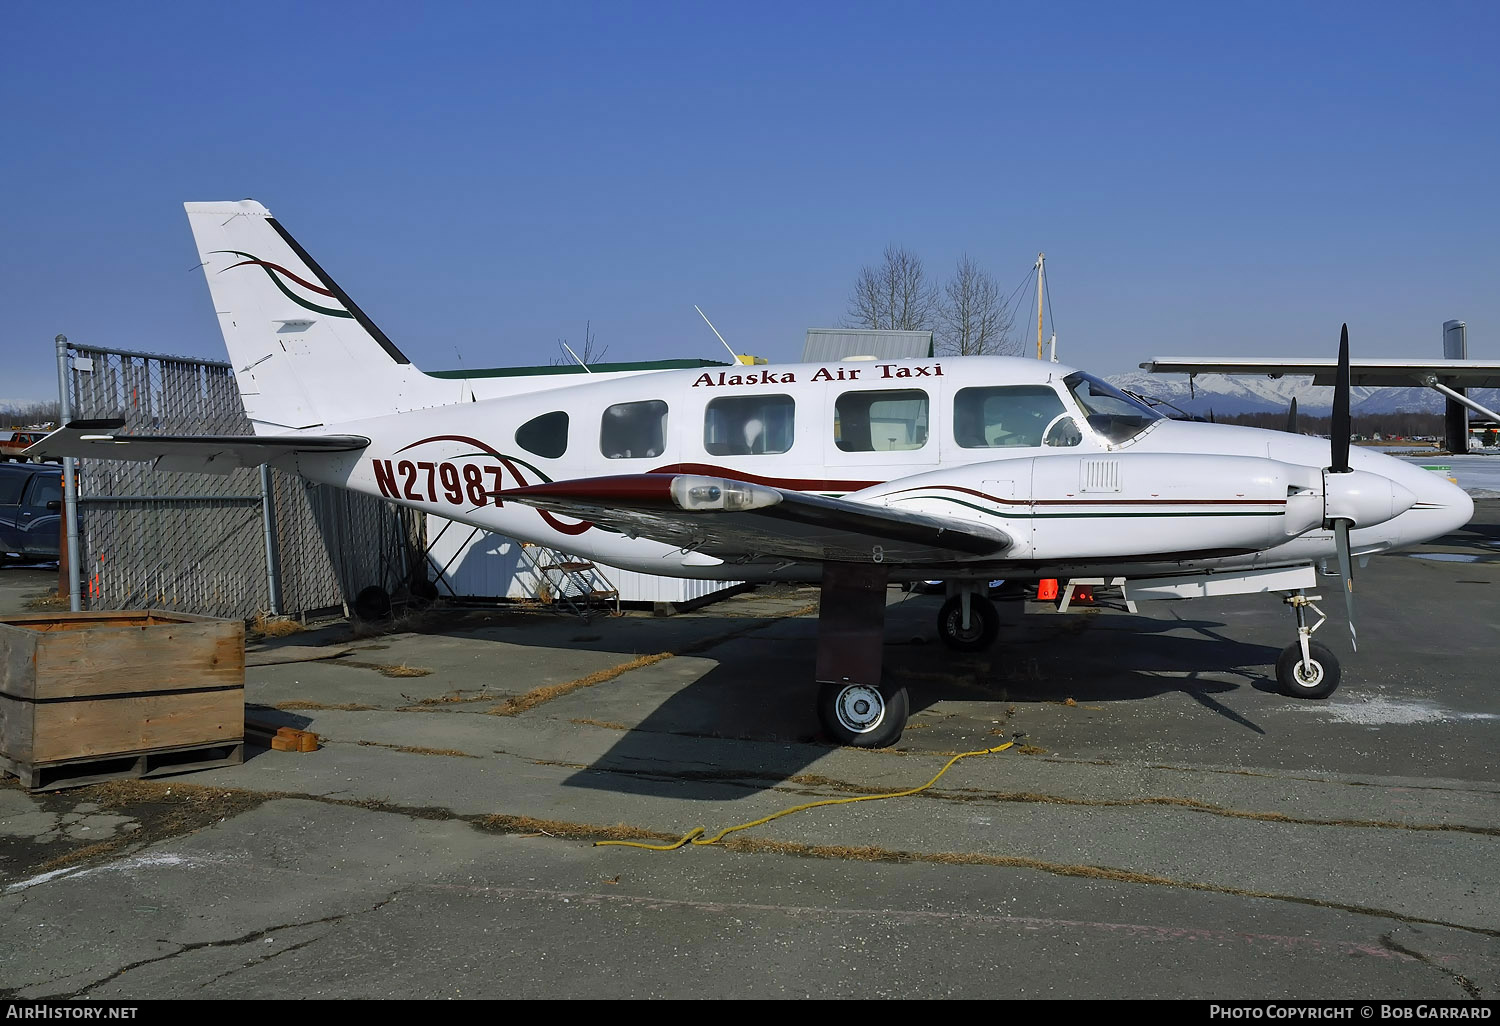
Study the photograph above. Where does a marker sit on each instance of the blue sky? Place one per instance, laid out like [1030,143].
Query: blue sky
[484,178]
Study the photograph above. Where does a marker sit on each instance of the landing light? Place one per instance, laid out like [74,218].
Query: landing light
[710,493]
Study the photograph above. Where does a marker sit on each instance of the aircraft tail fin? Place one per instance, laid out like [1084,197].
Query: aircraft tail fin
[304,354]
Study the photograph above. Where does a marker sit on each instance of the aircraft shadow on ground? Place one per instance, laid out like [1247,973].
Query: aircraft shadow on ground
[762,692]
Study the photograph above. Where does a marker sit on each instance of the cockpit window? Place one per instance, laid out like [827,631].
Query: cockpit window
[1009,416]
[1111,413]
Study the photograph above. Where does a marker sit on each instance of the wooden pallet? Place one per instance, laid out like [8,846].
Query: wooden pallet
[107,685]
[54,776]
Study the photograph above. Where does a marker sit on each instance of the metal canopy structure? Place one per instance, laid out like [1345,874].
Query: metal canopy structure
[825,344]
[1387,373]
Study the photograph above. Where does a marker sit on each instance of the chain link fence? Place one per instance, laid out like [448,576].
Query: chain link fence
[231,545]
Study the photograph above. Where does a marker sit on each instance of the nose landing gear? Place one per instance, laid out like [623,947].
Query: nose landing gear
[1307,669]
[968,622]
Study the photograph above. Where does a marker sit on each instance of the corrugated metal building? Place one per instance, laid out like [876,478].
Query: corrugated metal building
[827,344]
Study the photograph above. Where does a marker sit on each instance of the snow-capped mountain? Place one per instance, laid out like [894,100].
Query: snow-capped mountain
[1247,393]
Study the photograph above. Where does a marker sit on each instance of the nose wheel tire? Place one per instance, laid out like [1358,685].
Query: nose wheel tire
[984,624]
[1316,679]
[862,715]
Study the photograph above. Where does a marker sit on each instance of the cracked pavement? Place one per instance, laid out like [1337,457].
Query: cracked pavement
[1178,829]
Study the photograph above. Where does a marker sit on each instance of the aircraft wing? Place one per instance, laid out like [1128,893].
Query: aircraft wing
[731,520]
[1453,373]
[212,454]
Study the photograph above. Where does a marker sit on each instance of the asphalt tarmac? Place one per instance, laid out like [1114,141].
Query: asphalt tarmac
[1167,826]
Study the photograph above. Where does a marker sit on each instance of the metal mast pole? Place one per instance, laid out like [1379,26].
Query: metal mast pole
[1041,260]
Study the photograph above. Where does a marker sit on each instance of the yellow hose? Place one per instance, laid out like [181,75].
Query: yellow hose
[692,835]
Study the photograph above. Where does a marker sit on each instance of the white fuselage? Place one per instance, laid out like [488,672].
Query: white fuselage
[1174,496]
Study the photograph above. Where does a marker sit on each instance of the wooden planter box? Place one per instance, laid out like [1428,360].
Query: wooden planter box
[89,696]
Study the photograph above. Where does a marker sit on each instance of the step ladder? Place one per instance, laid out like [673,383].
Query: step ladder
[568,582]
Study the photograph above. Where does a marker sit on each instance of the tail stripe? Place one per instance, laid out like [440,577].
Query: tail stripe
[251,258]
[338,293]
[271,270]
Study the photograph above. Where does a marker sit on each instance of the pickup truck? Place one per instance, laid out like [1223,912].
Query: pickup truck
[30,510]
[13,443]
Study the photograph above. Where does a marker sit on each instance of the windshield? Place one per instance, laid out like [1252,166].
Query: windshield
[1112,413]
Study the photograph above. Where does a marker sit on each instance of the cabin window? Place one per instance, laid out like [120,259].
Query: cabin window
[1011,416]
[748,425]
[880,421]
[546,435]
[634,430]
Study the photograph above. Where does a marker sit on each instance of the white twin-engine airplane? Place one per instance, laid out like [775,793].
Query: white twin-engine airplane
[852,474]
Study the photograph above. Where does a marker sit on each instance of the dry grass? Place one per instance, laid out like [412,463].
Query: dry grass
[49,601]
[536,696]
[452,698]
[402,670]
[417,750]
[527,826]
[345,707]
[607,725]
[263,626]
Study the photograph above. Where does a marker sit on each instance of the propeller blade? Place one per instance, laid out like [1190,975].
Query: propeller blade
[1341,427]
[1346,567]
[1291,417]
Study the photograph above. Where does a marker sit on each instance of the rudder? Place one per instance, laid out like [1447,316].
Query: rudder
[304,354]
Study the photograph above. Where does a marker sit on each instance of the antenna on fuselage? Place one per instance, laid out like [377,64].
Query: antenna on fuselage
[732,354]
[575,356]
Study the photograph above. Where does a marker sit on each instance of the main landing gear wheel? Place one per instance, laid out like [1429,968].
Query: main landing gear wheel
[984,624]
[863,715]
[1316,679]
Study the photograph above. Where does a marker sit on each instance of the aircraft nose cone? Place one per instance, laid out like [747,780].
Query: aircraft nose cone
[1447,505]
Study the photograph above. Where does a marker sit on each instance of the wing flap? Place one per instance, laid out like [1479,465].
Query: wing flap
[737,521]
[212,454]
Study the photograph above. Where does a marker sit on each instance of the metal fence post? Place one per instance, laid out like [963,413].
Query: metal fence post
[70,475]
[273,559]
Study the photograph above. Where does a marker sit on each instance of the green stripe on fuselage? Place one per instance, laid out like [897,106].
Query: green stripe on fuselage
[1107,515]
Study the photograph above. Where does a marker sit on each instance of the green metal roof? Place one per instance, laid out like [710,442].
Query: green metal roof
[598,368]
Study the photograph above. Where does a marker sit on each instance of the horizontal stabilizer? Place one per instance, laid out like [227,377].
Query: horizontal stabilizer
[735,520]
[212,454]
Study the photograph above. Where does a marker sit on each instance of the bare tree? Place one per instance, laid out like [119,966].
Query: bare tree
[971,320]
[589,352]
[896,295]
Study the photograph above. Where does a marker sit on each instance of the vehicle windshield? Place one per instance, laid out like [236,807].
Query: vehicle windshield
[1112,413]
